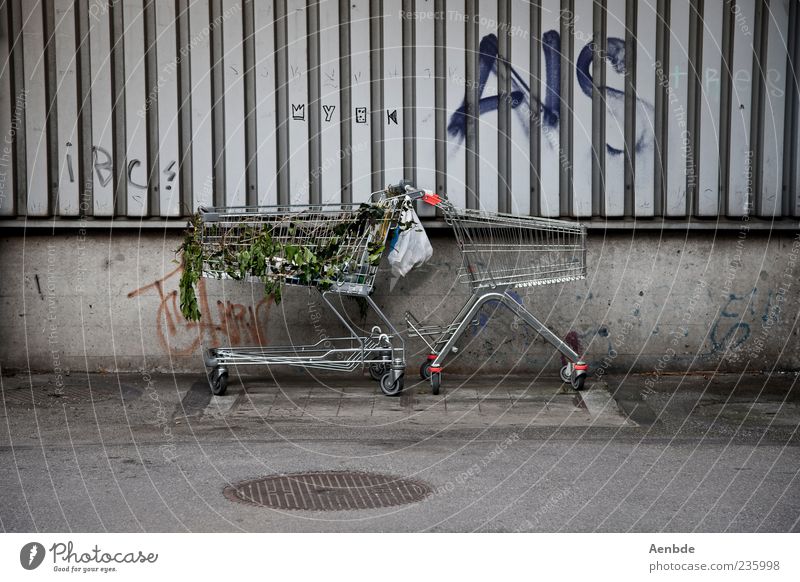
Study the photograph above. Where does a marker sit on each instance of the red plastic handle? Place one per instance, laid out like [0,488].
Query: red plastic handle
[431,198]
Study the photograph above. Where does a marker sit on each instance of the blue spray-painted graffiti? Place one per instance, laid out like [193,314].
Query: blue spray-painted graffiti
[487,62]
[547,112]
[737,331]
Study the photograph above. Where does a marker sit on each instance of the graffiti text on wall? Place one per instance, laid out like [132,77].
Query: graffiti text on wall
[104,169]
[225,322]
[547,112]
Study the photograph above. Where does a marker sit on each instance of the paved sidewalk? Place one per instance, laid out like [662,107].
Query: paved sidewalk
[463,403]
[140,453]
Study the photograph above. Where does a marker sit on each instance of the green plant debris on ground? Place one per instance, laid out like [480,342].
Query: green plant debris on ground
[254,248]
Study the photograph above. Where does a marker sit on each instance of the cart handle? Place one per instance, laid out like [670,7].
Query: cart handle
[405,187]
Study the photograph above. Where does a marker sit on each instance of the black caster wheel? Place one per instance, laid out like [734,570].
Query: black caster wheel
[565,375]
[578,381]
[436,382]
[391,388]
[219,381]
[425,370]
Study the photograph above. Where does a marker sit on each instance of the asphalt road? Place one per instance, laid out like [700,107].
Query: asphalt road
[155,455]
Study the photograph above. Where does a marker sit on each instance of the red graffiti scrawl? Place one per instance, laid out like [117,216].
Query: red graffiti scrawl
[225,323]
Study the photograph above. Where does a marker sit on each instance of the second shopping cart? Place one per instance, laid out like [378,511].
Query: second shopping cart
[502,252]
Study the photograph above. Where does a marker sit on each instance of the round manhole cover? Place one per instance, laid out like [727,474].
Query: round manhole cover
[50,394]
[328,491]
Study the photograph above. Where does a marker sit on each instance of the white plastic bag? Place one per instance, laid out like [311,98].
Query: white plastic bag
[409,248]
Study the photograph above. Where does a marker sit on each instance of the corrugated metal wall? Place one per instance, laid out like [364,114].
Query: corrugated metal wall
[614,108]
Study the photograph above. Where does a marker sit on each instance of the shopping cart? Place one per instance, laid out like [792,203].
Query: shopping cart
[351,243]
[502,252]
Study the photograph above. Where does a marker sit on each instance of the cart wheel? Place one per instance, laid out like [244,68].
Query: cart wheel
[565,375]
[425,370]
[219,381]
[436,382]
[578,381]
[391,388]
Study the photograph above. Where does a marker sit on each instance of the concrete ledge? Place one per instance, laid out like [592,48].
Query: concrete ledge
[14,225]
[653,302]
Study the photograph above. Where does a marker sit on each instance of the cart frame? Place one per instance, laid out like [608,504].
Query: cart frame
[383,352]
[501,252]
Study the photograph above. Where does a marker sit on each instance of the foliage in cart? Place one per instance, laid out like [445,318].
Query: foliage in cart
[286,249]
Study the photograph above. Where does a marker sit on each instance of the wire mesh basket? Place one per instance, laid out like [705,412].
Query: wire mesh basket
[336,246]
[516,251]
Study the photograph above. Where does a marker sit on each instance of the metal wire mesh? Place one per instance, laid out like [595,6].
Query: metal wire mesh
[340,237]
[516,251]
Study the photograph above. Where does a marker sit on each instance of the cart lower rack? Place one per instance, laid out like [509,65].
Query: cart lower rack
[501,252]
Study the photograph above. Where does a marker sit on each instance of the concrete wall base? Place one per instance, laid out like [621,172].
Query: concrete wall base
[652,303]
